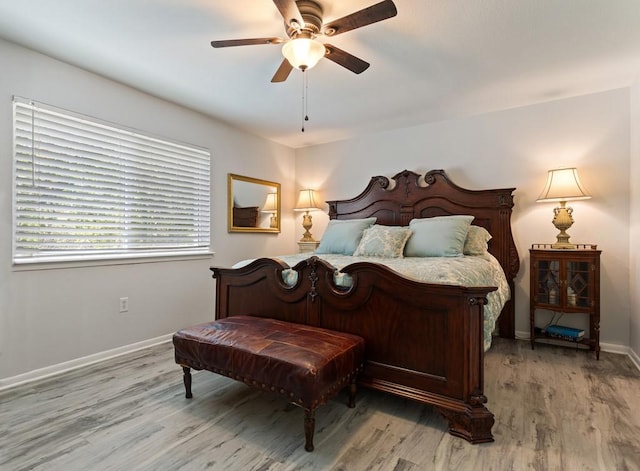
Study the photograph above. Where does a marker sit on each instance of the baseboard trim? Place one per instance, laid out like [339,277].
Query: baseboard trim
[52,370]
[605,347]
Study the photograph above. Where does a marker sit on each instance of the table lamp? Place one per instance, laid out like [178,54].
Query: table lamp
[307,202]
[563,185]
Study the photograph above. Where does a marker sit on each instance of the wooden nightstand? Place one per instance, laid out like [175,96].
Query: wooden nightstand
[308,247]
[566,281]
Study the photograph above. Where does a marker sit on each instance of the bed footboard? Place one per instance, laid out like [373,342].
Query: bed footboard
[423,341]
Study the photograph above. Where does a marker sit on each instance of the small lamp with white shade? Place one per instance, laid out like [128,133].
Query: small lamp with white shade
[307,202]
[563,185]
[271,206]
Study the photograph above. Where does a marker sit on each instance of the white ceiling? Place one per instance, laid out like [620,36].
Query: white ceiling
[436,60]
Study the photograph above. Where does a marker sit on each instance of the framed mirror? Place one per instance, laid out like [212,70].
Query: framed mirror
[253,204]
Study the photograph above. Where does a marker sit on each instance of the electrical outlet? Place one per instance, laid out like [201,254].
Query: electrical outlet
[124,304]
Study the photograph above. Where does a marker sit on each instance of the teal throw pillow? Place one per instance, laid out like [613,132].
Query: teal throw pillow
[343,236]
[441,236]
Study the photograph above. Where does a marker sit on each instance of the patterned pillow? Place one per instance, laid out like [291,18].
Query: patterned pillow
[383,241]
[476,242]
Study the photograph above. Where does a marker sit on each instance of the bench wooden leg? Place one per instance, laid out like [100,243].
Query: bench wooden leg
[187,381]
[309,428]
[352,394]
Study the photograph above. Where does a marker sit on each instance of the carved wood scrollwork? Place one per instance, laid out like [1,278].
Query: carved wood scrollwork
[407,189]
[478,300]
[477,398]
[313,277]
[506,200]
[430,178]
[382,181]
[514,262]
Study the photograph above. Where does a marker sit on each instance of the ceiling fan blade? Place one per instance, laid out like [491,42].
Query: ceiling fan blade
[283,72]
[373,14]
[289,11]
[246,42]
[346,60]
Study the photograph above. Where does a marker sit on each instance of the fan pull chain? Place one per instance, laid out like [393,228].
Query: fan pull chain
[305,98]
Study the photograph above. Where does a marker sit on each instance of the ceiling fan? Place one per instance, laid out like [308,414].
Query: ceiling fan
[304,23]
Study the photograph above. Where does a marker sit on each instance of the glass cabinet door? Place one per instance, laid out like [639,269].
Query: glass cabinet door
[578,282]
[564,283]
[548,282]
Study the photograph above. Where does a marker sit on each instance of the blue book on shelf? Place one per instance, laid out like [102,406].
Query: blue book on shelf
[565,332]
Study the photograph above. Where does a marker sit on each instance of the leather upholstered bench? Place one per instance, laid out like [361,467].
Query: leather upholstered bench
[308,365]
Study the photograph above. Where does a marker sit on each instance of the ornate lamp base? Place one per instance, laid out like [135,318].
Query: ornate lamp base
[563,220]
[306,223]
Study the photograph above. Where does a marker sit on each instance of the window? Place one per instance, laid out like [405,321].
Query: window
[86,189]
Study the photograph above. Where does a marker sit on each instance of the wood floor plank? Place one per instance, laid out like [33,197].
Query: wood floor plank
[555,408]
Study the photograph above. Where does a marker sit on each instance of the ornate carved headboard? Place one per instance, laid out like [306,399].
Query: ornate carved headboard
[407,198]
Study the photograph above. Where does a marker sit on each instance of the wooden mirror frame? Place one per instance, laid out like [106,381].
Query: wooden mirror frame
[251,205]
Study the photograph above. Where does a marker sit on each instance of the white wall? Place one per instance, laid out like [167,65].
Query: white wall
[53,316]
[513,148]
[634,177]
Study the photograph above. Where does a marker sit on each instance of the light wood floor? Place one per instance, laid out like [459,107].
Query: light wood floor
[556,409]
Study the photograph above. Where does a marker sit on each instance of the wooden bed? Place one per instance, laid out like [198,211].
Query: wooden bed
[423,341]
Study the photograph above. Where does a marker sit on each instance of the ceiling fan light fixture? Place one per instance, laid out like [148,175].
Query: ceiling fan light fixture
[303,53]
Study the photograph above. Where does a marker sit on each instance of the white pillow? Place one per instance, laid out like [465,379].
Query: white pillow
[477,241]
[343,236]
[441,236]
[383,241]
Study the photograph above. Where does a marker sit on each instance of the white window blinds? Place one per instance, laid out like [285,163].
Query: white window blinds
[88,189]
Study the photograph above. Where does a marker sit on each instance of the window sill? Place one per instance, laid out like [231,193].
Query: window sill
[84,261]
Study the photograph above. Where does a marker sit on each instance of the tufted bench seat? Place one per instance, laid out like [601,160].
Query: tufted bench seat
[308,365]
